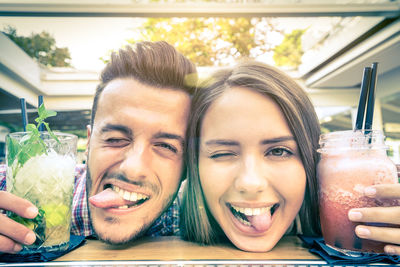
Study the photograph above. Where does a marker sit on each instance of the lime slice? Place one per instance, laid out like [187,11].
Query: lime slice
[55,214]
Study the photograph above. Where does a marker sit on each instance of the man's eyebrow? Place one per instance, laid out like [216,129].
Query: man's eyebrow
[116,127]
[221,142]
[170,136]
[277,140]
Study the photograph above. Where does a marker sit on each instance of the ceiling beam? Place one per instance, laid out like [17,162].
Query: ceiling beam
[194,9]
[390,107]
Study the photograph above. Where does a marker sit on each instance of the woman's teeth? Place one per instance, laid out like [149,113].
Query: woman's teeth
[252,211]
[130,196]
[245,222]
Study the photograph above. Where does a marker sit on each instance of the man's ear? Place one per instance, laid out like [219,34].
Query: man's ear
[89,134]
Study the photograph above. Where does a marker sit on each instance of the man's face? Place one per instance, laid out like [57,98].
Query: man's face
[135,157]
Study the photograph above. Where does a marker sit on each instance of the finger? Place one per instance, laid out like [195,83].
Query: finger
[392,249]
[16,231]
[9,246]
[383,191]
[18,205]
[382,234]
[375,215]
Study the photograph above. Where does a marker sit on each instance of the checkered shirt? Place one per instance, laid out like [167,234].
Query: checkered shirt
[166,224]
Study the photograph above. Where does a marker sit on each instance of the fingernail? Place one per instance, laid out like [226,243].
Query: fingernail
[17,247]
[31,212]
[370,191]
[363,232]
[389,250]
[30,238]
[355,215]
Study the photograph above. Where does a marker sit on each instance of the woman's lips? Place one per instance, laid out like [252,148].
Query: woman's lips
[252,220]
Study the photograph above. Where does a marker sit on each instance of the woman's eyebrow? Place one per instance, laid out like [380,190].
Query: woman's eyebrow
[221,142]
[277,140]
[116,127]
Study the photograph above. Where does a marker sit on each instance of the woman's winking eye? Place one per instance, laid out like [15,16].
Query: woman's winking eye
[221,155]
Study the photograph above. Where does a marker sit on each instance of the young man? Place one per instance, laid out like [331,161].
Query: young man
[135,151]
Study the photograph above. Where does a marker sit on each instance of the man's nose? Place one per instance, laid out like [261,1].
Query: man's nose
[250,178]
[136,161]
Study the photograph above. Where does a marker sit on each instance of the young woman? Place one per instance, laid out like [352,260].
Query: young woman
[252,143]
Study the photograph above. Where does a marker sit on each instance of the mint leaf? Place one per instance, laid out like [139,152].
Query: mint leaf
[44,114]
[31,144]
[38,225]
[13,147]
[30,127]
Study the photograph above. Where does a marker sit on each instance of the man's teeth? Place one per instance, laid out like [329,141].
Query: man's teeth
[130,196]
[251,211]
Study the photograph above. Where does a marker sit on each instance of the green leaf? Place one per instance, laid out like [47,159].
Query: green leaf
[30,127]
[13,147]
[44,113]
[50,113]
[38,225]
[41,112]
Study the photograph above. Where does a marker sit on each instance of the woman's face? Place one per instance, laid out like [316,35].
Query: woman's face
[250,169]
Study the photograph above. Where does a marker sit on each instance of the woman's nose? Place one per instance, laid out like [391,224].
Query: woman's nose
[250,178]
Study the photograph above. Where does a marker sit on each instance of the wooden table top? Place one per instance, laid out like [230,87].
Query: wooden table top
[175,249]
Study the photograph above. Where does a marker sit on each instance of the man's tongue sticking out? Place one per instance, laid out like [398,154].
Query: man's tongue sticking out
[108,199]
[260,222]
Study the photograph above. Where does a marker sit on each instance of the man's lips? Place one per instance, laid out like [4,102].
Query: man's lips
[127,195]
[115,197]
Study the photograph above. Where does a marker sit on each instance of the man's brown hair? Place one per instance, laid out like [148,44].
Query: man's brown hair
[155,64]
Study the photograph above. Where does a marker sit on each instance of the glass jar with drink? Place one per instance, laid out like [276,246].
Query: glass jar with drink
[351,161]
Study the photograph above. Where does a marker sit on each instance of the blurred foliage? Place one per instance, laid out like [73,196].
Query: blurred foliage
[222,41]
[206,42]
[290,51]
[42,47]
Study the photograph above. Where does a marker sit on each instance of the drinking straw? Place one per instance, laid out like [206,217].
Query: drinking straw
[23,112]
[40,102]
[363,98]
[371,98]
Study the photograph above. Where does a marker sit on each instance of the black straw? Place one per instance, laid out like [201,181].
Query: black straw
[23,113]
[371,98]
[40,102]
[363,98]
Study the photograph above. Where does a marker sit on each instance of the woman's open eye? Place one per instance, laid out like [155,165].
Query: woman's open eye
[279,152]
[167,147]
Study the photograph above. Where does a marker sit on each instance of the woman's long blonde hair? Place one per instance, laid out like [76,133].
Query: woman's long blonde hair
[197,223]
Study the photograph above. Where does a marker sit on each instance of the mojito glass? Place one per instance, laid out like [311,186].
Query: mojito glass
[41,170]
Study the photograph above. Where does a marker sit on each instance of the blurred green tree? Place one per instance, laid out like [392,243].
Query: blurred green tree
[40,46]
[290,51]
[221,41]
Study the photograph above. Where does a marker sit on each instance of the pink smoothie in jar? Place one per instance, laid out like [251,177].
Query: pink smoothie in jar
[350,162]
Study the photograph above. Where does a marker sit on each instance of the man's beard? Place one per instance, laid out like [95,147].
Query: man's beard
[112,220]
